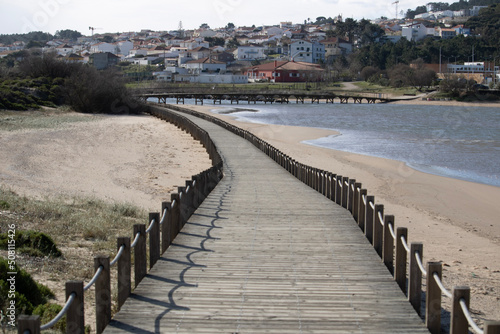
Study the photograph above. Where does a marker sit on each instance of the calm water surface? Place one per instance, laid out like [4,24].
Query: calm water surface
[458,142]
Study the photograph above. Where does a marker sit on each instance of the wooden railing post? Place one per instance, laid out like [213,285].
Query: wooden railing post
[369,212]
[345,191]
[176,227]
[140,261]
[124,269]
[154,239]
[433,298]
[459,324]
[415,277]
[338,191]
[388,249]
[378,229]
[350,202]
[356,199]
[492,327]
[28,323]
[165,229]
[362,210]
[401,256]
[75,316]
[102,294]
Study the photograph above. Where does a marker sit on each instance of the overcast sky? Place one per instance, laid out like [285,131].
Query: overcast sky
[21,16]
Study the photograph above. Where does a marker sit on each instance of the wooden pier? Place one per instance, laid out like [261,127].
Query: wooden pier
[264,253]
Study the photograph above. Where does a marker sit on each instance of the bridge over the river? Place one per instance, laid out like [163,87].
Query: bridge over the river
[271,97]
[264,253]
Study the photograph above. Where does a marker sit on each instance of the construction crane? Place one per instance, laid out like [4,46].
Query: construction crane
[92,28]
[396,3]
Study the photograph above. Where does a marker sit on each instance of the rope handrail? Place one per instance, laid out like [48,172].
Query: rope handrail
[441,286]
[61,313]
[391,230]
[118,255]
[136,240]
[381,218]
[372,205]
[420,264]
[96,276]
[340,183]
[405,244]
[174,202]
[471,321]
[180,195]
[352,187]
[346,183]
[364,199]
[151,224]
[188,189]
[164,216]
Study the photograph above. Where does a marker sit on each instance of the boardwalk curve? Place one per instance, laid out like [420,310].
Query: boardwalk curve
[266,254]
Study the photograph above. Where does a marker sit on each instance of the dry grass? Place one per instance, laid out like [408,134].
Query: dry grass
[81,227]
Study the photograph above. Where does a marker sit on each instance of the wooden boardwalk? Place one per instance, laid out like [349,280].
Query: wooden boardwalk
[264,253]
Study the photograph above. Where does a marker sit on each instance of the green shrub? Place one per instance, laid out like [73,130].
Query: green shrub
[33,243]
[29,293]
[47,312]
[4,205]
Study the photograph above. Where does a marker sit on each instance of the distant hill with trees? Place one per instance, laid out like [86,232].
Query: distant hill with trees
[440,6]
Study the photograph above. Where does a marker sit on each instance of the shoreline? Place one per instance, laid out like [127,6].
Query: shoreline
[456,220]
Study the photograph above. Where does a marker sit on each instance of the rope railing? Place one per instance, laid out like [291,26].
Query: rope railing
[118,255]
[136,240]
[160,232]
[420,264]
[94,279]
[468,316]
[61,313]
[151,225]
[405,244]
[441,286]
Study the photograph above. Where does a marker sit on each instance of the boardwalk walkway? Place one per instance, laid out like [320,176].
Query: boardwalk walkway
[266,254]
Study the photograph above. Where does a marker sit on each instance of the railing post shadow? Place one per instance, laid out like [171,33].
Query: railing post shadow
[102,294]
[415,277]
[154,239]
[140,260]
[401,256]
[75,317]
[433,298]
[124,269]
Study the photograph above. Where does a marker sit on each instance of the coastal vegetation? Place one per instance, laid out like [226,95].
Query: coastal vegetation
[69,231]
[30,79]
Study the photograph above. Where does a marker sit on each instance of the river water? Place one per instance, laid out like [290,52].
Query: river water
[457,142]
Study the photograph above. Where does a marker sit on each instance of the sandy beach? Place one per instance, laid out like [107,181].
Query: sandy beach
[141,159]
[457,221]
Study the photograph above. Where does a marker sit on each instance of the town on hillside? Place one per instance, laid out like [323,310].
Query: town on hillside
[285,52]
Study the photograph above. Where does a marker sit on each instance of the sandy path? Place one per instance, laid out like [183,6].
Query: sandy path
[457,221]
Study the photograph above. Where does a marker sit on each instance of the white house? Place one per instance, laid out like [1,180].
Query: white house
[123,47]
[416,32]
[250,52]
[103,47]
[204,65]
[305,51]
[64,50]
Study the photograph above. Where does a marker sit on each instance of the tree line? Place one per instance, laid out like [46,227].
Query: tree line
[33,78]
